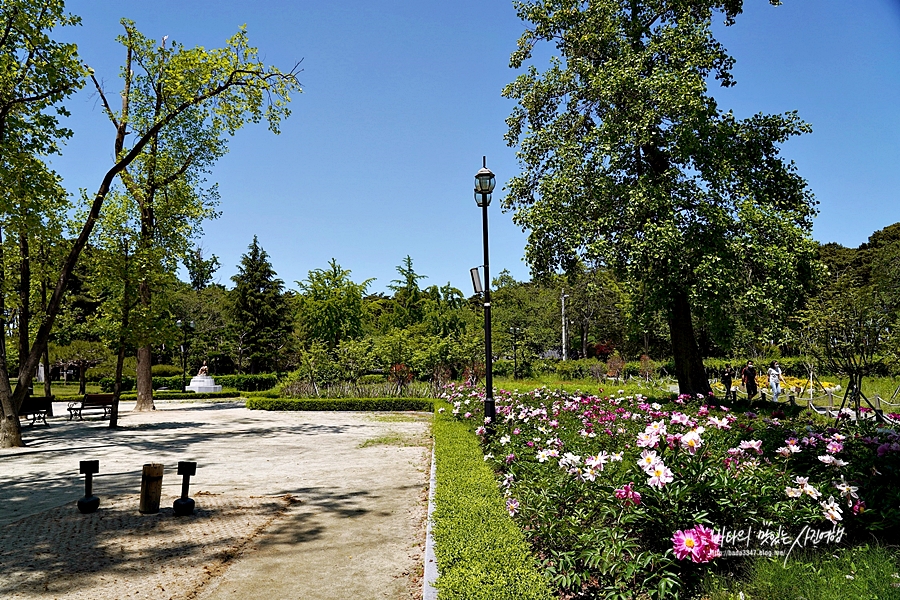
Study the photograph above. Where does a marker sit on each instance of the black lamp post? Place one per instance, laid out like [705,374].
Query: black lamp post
[484,185]
[186,327]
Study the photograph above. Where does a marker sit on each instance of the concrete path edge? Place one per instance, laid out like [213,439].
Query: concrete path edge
[431,571]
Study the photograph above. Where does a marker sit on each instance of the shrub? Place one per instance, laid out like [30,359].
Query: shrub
[248,383]
[107,384]
[350,404]
[568,370]
[185,395]
[165,371]
[481,553]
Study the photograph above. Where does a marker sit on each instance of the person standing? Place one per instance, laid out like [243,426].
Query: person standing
[775,379]
[748,378]
[728,380]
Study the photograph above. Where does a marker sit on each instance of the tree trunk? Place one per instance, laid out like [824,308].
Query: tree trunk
[10,428]
[82,379]
[689,367]
[144,380]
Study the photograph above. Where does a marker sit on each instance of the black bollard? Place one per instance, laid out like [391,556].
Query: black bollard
[90,503]
[185,506]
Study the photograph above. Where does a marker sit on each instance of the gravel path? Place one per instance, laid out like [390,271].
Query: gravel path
[289,505]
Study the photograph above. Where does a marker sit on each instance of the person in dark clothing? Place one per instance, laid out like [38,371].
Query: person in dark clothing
[748,378]
[728,380]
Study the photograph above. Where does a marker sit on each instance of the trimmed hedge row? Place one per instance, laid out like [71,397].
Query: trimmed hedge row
[185,395]
[481,553]
[242,383]
[420,404]
[581,368]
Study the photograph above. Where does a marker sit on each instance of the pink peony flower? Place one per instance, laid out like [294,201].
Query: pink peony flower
[699,543]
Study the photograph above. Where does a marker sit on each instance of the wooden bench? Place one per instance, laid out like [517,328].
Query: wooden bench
[102,402]
[38,408]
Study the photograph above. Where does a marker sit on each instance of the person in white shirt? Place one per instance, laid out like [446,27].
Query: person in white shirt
[775,379]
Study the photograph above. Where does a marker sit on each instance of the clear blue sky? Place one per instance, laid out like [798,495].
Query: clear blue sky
[402,98]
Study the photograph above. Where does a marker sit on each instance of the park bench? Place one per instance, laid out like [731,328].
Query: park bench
[102,402]
[38,408]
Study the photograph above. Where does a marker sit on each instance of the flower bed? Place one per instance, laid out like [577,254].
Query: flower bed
[627,496]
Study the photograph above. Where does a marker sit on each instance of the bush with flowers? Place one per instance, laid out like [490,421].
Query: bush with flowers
[625,496]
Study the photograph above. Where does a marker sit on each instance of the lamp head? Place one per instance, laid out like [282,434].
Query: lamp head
[484,185]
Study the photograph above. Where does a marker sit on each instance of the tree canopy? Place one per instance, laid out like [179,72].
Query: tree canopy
[627,160]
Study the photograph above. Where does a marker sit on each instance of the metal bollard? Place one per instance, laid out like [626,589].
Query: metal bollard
[185,506]
[762,397]
[792,399]
[90,503]
[151,488]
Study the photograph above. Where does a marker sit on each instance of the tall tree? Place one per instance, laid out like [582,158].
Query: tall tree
[229,86]
[260,312]
[200,270]
[627,160]
[331,307]
[408,309]
[38,74]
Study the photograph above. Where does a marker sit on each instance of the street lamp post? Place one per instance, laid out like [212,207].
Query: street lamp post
[484,185]
[565,334]
[185,327]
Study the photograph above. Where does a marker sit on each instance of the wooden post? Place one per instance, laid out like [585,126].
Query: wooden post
[151,488]
[792,399]
[762,397]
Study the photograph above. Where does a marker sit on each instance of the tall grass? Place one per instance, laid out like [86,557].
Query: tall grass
[348,389]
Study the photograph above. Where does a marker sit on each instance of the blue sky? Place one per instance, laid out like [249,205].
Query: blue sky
[402,98]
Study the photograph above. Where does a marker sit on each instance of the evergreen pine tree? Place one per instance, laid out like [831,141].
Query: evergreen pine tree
[260,311]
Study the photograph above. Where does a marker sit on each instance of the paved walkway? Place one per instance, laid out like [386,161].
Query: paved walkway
[289,505]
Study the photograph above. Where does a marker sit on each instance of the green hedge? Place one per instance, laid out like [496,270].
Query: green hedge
[242,383]
[185,395]
[258,403]
[481,553]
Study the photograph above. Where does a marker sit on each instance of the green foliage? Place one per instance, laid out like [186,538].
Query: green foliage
[330,307]
[248,383]
[107,384]
[481,553]
[186,395]
[407,295]
[852,329]
[628,161]
[355,404]
[165,371]
[260,313]
[200,271]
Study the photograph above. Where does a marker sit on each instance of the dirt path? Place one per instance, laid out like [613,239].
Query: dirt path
[290,505]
